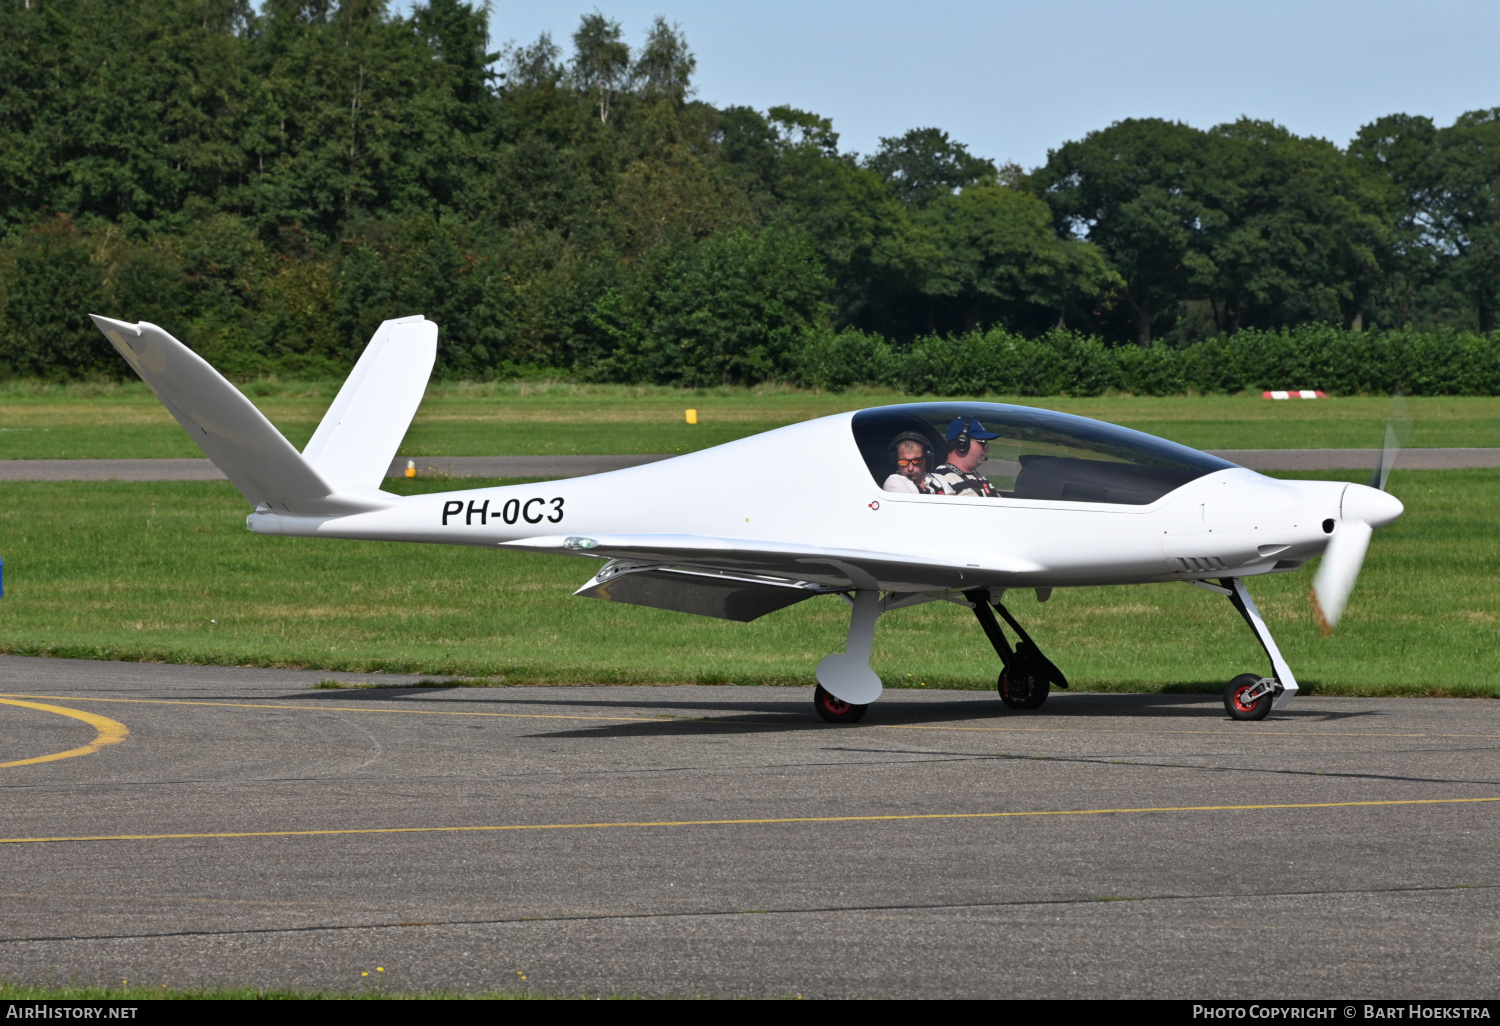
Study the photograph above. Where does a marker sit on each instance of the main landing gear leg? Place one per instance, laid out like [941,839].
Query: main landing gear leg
[1250,696]
[846,684]
[1027,676]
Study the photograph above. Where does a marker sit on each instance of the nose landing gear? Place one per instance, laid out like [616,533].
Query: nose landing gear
[1249,697]
[1027,677]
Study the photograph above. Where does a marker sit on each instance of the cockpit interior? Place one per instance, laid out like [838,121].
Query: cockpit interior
[1032,454]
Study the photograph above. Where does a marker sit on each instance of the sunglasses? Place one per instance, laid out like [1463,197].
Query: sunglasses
[914,461]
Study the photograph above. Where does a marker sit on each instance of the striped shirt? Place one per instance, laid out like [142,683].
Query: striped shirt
[949,480]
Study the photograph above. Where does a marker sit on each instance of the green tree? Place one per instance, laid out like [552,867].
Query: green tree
[538,66]
[1465,209]
[925,164]
[459,35]
[1395,154]
[664,66]
[995,260]
[732,309]
[124,112]
[1442,188]
[50,284]
[601,61]
[1293,232]
[429,265]
[861,230]
[1136,190]
[362,116]
[274,176]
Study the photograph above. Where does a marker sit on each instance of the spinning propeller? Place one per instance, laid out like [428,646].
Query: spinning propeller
[1360,508]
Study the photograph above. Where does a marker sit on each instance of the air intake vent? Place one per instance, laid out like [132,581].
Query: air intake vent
[1196,564]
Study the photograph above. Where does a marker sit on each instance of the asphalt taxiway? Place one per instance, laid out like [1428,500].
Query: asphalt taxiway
[578,466]
[222,826]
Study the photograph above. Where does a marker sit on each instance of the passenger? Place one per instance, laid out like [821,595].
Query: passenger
[912,454]
[968,443]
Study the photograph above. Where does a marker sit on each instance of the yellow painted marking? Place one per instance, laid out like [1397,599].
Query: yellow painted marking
[319,707]
[745,822]
[330,708]
[111,732]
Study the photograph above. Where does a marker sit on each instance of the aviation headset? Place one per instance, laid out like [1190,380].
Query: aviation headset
[960,444]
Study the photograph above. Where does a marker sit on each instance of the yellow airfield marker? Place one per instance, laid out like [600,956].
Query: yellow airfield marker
[111,732]
[714,720]
[692,416]
[410,712]
[513,827]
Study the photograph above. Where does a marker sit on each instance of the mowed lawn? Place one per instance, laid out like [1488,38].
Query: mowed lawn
[126,421]
[168,572]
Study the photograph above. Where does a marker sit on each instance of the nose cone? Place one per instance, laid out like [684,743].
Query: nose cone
[1371,505]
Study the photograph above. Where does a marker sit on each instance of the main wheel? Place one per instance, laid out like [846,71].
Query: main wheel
[1025,691]
[834,710]
[1235,704]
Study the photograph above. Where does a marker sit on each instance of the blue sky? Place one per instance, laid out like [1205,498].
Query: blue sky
[1013,79]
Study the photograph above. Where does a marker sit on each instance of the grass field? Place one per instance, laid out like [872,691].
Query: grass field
[129,992]
[126,421]
[168,572]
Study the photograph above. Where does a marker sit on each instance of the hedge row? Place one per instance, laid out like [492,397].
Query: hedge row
[1334,360]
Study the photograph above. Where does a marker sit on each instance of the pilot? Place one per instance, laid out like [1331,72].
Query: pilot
[912,454]
[968,443]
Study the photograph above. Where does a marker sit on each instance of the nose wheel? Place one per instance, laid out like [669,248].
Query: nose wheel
[834,710]
[1249,697]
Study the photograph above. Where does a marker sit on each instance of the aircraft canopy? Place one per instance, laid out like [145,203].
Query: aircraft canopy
[1037,454]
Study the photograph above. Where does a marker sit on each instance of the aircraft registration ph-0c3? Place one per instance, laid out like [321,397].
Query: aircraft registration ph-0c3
[1032,499]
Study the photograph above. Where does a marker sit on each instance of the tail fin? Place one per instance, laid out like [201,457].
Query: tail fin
[361,431]
[256,458]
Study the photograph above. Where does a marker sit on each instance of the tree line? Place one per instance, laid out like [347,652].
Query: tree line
[271,183]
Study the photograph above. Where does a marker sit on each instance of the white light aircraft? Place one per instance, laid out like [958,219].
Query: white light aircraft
[1043,500]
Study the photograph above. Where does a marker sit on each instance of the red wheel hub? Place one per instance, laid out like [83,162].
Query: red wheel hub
[1238,701]
[833,705]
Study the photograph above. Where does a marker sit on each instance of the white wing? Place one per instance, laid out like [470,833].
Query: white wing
[838,568]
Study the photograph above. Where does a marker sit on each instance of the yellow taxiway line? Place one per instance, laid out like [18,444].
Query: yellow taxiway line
[746,822]
[327,708]
[322,707]
[111,732]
